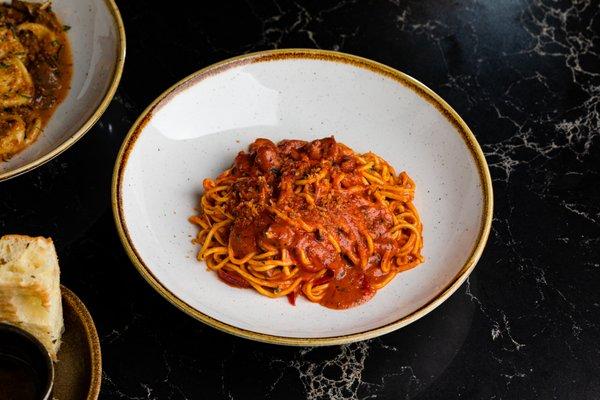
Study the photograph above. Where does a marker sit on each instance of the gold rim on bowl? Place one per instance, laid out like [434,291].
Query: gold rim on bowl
[116,78]
[271,55]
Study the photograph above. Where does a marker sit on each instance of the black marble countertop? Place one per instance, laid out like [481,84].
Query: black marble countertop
[525,75]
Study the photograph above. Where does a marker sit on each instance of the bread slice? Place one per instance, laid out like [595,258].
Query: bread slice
[30,294]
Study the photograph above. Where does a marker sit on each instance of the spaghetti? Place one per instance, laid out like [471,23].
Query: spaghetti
[311,218]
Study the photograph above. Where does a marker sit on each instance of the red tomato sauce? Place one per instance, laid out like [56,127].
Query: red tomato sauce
[342,206]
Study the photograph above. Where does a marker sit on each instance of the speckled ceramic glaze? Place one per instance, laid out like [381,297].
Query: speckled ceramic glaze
[97,41]
[195,129]
[78,372]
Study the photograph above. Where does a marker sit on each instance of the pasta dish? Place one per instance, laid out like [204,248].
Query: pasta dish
[309,218]
[35,71]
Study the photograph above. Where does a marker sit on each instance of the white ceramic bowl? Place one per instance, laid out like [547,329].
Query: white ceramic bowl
[195,129]
[97,39]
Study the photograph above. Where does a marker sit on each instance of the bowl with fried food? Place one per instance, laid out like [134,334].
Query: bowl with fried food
[60,64]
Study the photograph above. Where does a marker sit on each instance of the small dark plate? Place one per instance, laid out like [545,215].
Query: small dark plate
[78,372]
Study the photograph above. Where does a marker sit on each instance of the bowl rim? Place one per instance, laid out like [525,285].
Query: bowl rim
[89,123]
[323,55]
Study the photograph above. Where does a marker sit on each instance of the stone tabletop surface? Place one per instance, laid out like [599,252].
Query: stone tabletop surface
[525,75]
